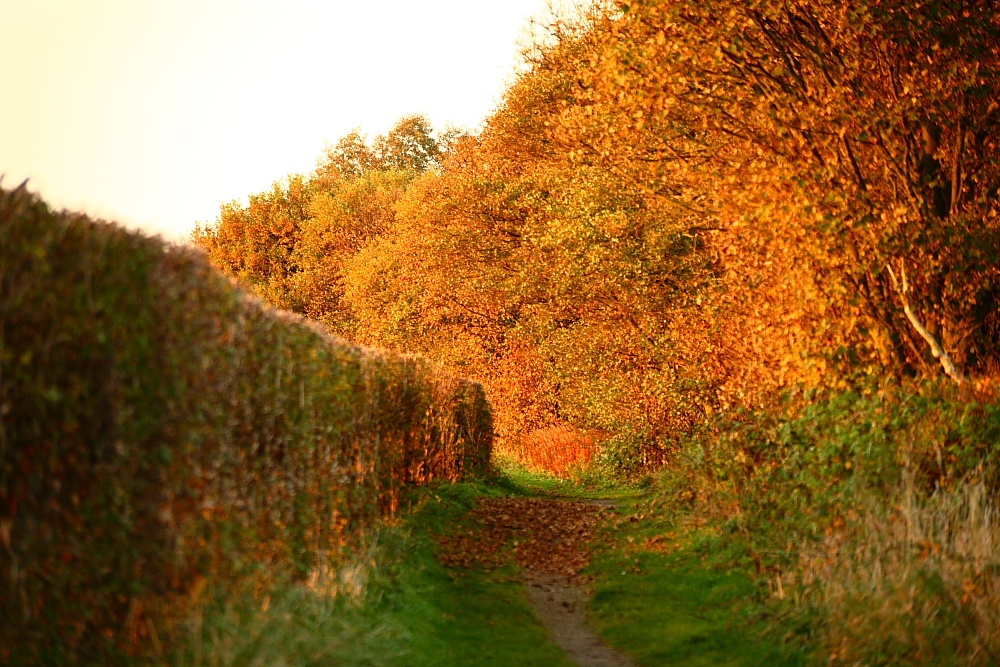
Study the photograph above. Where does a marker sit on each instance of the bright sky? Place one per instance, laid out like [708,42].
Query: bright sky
[154,112]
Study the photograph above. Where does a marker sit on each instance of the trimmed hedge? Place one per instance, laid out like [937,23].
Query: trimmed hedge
[159,428]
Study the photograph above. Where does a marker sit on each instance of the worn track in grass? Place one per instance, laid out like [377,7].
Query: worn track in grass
[549,540]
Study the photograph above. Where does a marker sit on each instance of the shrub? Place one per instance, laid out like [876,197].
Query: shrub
[559,450]
[873,510]
[806,465]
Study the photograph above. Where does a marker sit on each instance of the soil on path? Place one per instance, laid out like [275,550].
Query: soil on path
[550,541]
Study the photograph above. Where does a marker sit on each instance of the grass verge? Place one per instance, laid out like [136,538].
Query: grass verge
[412,611]
[678,600]
[661,599]
[517,479]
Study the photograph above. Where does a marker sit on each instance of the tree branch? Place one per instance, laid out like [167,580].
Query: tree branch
[956,170]
[936,350]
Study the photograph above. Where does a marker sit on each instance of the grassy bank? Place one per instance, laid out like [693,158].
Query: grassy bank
[869,517]
[684,599]
[664,605]
[410,611]
[667,595]
[668,590]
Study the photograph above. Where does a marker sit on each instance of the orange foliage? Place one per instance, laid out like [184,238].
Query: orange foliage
[685,206]
[821,145]
[559,450]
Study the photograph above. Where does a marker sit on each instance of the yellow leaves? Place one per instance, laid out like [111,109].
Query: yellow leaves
[574,224]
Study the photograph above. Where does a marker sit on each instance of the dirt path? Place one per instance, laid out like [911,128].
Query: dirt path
[550,540]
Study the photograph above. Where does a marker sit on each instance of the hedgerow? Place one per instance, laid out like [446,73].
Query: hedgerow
[161,430]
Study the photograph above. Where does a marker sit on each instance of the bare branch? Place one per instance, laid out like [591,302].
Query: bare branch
[937,351]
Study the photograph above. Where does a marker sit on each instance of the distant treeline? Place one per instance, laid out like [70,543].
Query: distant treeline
[162,431]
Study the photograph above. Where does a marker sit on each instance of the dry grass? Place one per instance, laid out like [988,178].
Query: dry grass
[917,585]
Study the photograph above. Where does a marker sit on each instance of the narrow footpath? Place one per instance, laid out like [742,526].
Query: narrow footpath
[550,542]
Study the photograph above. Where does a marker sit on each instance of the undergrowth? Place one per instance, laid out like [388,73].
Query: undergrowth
[869,515]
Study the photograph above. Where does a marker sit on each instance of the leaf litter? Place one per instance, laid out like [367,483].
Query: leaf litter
[550,541]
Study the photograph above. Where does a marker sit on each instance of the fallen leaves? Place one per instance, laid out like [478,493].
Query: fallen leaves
[545,536]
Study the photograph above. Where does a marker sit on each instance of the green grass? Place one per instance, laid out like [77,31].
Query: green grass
[522,481]
[413,612]
[465,617]
[687,606]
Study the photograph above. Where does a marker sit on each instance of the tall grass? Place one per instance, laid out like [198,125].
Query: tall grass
[915,584]
[318,622]
[871,514]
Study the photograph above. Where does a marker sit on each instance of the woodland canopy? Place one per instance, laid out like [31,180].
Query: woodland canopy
[680,207]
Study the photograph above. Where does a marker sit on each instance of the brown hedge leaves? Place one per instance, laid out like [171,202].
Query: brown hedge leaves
[160,429]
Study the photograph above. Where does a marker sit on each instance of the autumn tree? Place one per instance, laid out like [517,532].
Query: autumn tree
[255,242]
[343,217]
[556,284]
[679,207]
[835,147]
[411,145]
[289,244]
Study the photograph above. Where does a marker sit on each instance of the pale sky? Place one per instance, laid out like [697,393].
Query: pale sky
[154,112]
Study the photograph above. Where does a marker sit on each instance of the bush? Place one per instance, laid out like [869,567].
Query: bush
[558,450]
[160,429]
[871,515]
[807,465]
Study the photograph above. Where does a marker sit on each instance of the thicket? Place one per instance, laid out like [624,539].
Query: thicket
[680,208]
[871,514]
[555,286]
[161,431]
